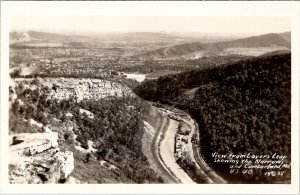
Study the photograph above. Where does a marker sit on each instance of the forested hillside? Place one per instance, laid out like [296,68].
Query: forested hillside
[106,130]
[242,107]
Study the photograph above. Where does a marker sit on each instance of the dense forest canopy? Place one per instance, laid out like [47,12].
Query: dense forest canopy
[242,107]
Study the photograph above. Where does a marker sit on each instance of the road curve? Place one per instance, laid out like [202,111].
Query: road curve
[161,151]
[193,150]
[166,149]
[200,161]
[153,152]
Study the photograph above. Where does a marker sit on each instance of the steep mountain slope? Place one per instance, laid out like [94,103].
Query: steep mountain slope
[271,40]
[94,119]
[241,108]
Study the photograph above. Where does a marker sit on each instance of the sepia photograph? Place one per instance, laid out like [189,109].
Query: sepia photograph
[149,99]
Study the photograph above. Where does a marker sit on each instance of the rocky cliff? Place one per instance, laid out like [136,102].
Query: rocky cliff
[35,158]
[79,89]
[44,129]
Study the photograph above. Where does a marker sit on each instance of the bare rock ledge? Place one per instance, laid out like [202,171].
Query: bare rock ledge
[36,158]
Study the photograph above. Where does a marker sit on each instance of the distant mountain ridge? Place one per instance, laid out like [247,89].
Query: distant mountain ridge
[167,45]
[256,41]
[177,50]
[286,36]
[26,36]
[267,40]
[36,36]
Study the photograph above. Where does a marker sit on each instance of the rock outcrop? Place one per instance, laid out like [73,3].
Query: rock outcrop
[36,158]
[79,89]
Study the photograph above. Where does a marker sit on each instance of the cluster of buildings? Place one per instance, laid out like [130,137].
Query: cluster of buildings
[61,52]
[181,140]
[182,134]
[91,62]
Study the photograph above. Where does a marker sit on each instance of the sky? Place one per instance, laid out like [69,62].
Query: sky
[180,24]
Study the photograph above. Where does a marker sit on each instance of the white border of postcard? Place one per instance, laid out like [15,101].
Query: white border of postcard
[150,8]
